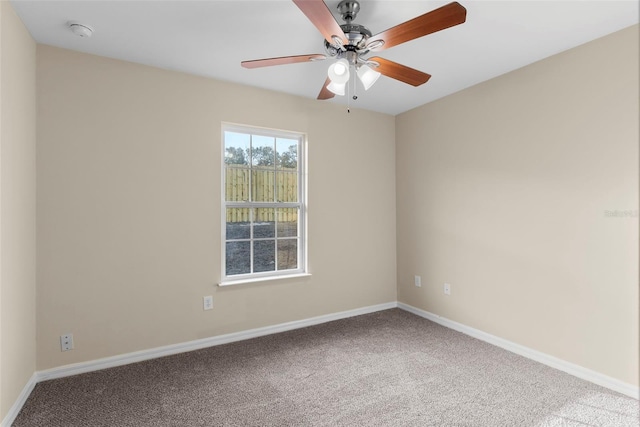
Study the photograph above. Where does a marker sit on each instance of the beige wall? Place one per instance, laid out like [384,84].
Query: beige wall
[502,192]
[17,206]
[129,211]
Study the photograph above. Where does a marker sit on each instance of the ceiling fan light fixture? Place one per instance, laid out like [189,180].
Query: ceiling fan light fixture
[339,71]
[337,88]
[367,76]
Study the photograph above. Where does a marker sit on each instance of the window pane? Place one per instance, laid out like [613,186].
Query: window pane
[288,222]
[287,153]
[236,148]
[264,255]
[236,161]
[238,258]
[263,184]
[287,254]
[262,151]
[238,223]
[287,186]
[236,183]
[264,225]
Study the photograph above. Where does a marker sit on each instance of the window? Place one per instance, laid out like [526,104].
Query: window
[263,203]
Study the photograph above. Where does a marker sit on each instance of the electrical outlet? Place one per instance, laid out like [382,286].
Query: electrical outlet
[447,289]
[417,280]
[66,342]
[207,302]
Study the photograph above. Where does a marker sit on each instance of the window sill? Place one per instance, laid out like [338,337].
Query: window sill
[262,279]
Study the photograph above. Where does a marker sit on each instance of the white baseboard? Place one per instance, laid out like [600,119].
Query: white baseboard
[562,365]
[138,356]
[19,403]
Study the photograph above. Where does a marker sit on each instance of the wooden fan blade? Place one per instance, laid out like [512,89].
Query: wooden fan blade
[268,62]
[400,72]
[320,16]
[326,93]
[444,17]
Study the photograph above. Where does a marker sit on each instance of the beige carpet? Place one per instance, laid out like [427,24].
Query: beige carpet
[390,368]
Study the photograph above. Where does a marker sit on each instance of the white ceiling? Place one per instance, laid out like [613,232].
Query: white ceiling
[211,38]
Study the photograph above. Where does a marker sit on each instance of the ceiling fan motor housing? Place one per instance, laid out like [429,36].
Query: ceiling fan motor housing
[357,36]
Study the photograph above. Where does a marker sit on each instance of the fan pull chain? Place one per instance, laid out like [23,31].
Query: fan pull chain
[355,96]
[349,96]
[355,87]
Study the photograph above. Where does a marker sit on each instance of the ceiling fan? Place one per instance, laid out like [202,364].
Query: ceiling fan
[350,43]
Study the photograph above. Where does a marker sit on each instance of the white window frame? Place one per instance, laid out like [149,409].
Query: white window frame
[300,205]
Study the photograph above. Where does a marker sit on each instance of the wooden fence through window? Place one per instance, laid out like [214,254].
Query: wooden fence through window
[267,185]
